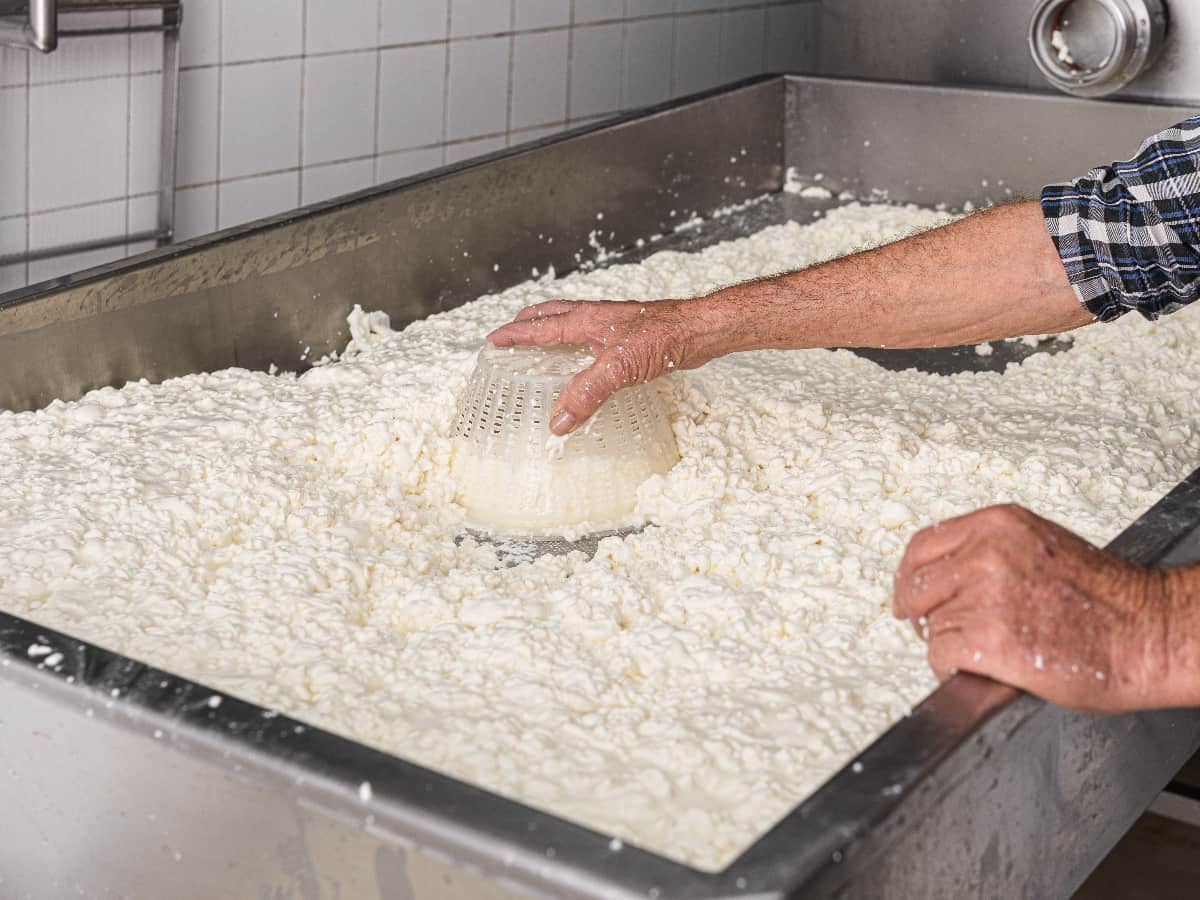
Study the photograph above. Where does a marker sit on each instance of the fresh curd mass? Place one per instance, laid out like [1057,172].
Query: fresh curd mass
[292,540]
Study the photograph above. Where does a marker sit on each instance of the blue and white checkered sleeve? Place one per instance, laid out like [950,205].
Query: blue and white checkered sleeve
[1129,234]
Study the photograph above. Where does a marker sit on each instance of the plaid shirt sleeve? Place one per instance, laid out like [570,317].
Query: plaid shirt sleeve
[1129,234]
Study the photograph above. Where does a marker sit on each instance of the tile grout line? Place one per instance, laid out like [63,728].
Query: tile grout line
[763,62]
[512,52]
[721,44]
[128,127]
[446,82]
[671,79]
[375,154]
[570,56]
[28,160]
[303,95]
[220,111]
[621,60]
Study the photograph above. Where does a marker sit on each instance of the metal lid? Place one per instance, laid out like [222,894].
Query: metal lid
[1092,48]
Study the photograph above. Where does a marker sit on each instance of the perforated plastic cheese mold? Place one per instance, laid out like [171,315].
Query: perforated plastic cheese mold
[516,478]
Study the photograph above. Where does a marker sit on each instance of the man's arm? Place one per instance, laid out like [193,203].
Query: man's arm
[993,275]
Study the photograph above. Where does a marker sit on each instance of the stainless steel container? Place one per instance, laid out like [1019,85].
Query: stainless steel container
[117,779]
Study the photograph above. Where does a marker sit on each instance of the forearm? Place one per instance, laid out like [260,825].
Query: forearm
[1178,683]
[990,276]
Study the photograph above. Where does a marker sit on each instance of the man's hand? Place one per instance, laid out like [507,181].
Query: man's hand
[1004,593]
[632,342]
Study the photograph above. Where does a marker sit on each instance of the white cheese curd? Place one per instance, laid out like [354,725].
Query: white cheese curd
[291,540]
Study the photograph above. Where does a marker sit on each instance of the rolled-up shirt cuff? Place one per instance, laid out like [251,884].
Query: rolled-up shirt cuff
[1062,208]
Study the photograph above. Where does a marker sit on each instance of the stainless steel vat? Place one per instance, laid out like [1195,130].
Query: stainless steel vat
[119,780]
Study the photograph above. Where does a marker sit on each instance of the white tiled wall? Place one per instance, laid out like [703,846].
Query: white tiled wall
[289,102]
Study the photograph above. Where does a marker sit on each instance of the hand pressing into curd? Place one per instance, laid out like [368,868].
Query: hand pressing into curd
[1004,593]
[633,343]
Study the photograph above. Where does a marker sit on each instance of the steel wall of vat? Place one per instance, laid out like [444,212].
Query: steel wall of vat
[978,42]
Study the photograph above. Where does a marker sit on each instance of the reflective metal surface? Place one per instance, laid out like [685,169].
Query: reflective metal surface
[117,779]
[38,31]
[957,145]
[980,43]
[1093,48]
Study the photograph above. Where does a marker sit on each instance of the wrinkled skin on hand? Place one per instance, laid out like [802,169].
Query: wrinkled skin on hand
[1004,593]
[632,342]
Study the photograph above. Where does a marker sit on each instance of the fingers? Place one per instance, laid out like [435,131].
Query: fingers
[926,589]
[587,391]
[986,531]
[948,652]
[545,331]
[937,542]
[549,308]
[963,638]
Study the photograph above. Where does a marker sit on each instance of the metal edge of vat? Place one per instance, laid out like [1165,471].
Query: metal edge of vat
[844,839]
[834,127]
[988,759]
[278,291]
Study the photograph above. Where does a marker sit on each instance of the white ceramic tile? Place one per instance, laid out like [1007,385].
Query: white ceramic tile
[596,71]
[335,25]
[542,13]
[197,152]
[77,142]
[12,278]
[646,75]
[78,224]
[650,7]
[471,149]
[339,107]
[475,17]
[743,42]
[200,39]
[71,226]
[393,166]
[697,53]
[256,29]
[89,57]
[791,37]
[143,215]
[257,198]
[327,182]
[686,6]
[598,10]
[12,151]
[412,88]
[260,118]
[137,249]
[539,91]
[12,236]
[477,101]
[410,21]
[195,212]
[145,132]
[13,66]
